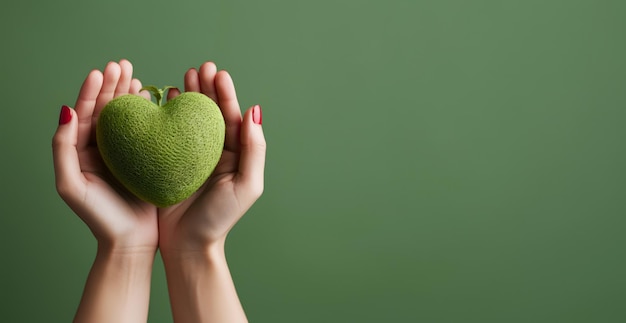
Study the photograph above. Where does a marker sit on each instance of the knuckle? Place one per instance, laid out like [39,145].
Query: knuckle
[63,188]
[56,140]
[261,145]
[66,190]
[256,146]
[256,190]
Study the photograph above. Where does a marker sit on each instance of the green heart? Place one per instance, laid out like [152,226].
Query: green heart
[162,154]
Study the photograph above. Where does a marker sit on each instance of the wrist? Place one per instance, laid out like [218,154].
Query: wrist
[133,263]
[125,252]
[118,285]
[184,252]
[200,285]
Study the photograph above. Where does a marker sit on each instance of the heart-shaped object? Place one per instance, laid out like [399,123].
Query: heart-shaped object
[162,154]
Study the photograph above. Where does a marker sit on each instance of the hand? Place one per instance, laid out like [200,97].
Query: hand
[118,220]
[237,181]
[192,234]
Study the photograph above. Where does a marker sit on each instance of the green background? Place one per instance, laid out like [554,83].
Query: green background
[428,161]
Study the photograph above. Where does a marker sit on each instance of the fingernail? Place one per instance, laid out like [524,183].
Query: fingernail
[257,115]
[66,115]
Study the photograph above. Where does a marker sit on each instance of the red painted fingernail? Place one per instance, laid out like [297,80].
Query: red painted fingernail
[257,115]
[66,115]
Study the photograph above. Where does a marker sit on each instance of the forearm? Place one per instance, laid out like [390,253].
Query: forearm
[201,288]
[118,287]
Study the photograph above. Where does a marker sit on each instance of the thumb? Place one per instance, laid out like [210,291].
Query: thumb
[252,159]
[65,157]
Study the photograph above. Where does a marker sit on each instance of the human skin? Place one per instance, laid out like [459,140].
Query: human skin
[191,235]
[126,228]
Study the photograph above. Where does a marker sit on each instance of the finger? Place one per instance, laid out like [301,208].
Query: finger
[111,78]
[172,93]
[227,101]
[192,82]
[85,105]
[68,176]
[207,80]
[252,159]
[126,76]
[135,88]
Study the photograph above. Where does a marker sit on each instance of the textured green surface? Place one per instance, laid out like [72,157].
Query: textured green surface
[161,154]
[428,161]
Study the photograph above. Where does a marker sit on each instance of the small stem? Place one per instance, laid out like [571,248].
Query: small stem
[158,93]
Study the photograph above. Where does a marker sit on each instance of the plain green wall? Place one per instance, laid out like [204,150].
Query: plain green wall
[428,161]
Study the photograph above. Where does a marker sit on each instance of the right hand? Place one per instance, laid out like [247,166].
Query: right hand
[117,218]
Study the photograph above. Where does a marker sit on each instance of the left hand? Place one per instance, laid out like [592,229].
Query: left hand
[207,216]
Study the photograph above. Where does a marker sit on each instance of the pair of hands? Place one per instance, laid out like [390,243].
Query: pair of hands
[121,221]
